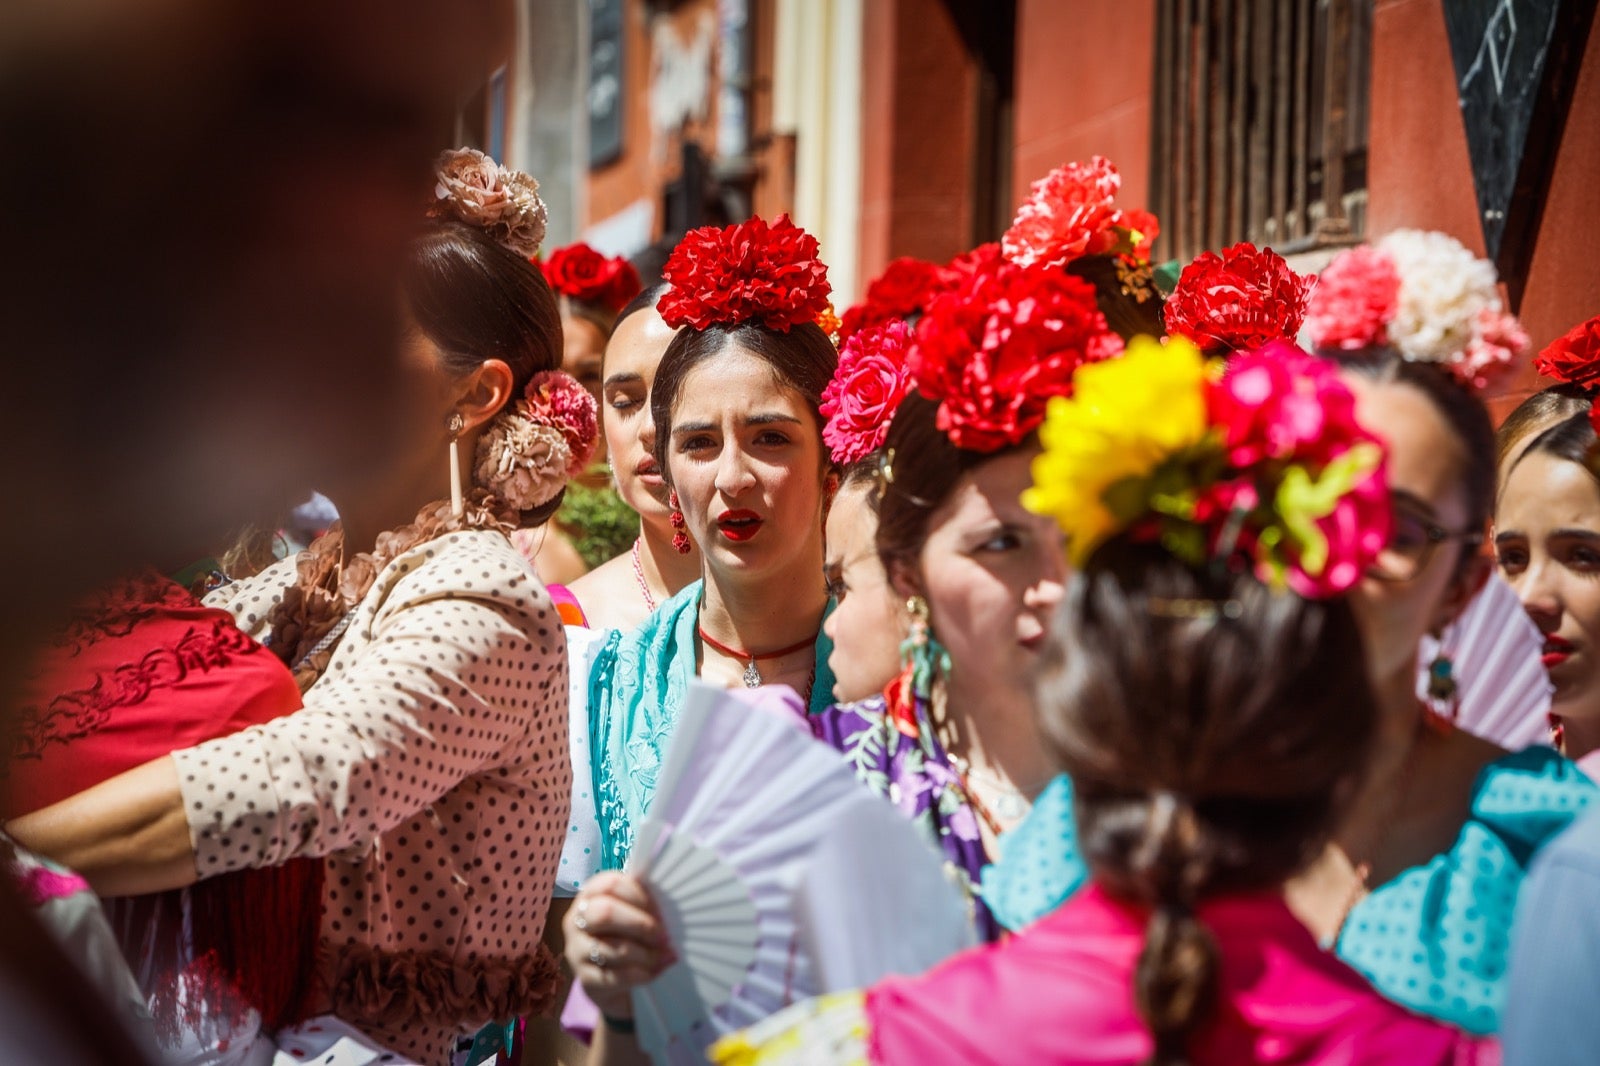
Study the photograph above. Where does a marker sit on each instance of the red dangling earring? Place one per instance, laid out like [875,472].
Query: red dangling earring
[1558,733]
[680,536]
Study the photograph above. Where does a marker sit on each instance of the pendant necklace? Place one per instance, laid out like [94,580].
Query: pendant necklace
[752,676]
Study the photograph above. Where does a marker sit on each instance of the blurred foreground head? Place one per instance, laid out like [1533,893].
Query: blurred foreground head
[203,211]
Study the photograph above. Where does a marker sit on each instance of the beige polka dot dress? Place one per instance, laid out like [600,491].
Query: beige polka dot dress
[430,767]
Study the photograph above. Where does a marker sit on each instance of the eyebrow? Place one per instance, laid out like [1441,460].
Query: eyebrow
[623,379]
[769,419]
[1573,533]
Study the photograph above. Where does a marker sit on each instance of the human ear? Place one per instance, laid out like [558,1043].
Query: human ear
[482,393]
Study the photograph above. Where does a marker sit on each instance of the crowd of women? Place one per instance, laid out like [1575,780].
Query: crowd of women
[1131,589]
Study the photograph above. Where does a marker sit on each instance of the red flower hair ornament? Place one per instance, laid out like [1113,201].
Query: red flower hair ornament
[750,272]
[578,272]
[903,289]
[994,347]
[1574,357]
[1071,212]
[1239,300]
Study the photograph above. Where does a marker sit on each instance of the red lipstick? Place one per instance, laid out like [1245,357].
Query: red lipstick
[739,525]
[1557,650]
[648,471]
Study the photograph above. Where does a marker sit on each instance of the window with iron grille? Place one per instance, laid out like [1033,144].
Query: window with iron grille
[1260,123]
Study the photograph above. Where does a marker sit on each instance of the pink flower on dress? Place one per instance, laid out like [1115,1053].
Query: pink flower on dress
[1355,298]
[871,381]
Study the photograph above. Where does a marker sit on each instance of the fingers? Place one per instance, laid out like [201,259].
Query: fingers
[619,910]
[615,941]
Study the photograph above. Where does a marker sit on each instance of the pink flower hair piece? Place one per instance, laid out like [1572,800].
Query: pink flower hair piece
[860,401]
[1355,299]
[1071,212]
[554,398]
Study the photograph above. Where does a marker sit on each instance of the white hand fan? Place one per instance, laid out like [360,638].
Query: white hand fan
[777,876]
[1503,688]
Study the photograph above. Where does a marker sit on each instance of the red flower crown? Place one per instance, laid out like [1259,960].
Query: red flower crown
[578,272]
[1239,300]
[999,342]
[749,272]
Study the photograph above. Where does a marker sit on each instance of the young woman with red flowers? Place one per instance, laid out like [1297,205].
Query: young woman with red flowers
[1573,362]
[1203,686]
[428,772]
[738,439]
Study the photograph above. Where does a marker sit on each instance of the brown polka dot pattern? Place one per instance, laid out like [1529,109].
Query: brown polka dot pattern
[430,764]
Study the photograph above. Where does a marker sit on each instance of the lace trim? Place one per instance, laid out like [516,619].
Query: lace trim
[328,586]
[74,715]
[386,989]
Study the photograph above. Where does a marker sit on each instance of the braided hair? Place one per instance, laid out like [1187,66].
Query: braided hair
[1213,730]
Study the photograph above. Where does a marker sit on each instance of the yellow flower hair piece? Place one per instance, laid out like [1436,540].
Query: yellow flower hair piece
[1125,419]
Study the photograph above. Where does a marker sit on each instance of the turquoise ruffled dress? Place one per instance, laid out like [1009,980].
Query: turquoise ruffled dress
[636,690]
[1435,939]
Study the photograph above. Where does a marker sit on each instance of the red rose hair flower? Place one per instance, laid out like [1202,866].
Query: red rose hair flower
[1242,299]
[581,273]
[994,348]
[750,272]
[904,288]
[872,378]
[1574,357]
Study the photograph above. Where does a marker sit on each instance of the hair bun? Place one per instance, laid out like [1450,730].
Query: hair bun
[472,188]
[749,272]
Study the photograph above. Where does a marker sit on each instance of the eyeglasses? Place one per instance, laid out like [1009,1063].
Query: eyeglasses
[1412,544]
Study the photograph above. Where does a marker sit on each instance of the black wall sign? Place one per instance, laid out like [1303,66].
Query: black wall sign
[605,81]
[1516,62]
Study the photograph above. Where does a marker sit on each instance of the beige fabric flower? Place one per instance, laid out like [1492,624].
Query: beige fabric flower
[481,192]
[523,463]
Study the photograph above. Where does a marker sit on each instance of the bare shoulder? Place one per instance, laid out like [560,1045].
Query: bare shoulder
[609,595]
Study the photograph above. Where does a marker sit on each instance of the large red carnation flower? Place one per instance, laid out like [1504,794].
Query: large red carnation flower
[750,272]
[581,273]
[1070,212]
[997,345]
[903,289]
[1242,299]
[1574,357]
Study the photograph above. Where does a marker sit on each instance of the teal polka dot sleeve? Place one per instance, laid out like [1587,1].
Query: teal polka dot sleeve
[1437,938]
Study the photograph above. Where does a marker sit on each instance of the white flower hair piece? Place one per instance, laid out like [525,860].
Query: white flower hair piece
[480,192]
[1443,287]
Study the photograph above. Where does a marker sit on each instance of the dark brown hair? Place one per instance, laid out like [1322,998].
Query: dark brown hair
[1213,730]
[922,474]
[1555,404]
[1460,407]
[802,359]
[477,300]
[1572,439]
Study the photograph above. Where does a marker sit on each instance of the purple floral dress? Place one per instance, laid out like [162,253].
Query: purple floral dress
[914,774]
